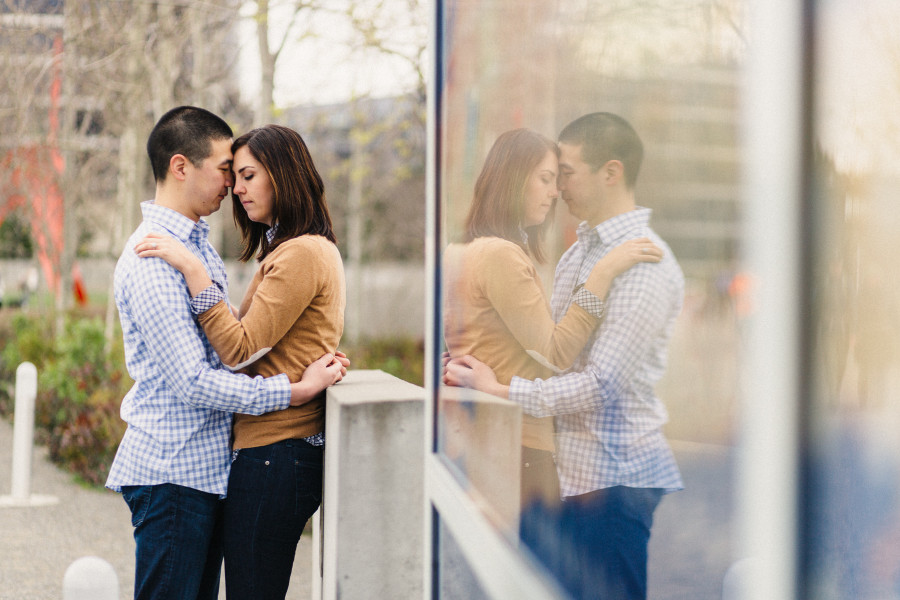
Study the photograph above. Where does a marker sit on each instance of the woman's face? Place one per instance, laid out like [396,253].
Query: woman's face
[253,186]
[540,191]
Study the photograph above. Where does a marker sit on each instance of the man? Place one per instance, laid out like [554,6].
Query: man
[613,460]
[172,464]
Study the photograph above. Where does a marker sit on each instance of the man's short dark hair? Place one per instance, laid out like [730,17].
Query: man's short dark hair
[604,137]
[185,130]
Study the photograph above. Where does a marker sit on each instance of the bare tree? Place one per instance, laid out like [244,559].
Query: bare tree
[120,66]
[294,24]
[394,28]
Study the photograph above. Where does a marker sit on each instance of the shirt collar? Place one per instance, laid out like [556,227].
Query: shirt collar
[180,226]
[270,232]
[614,229]
[523,234]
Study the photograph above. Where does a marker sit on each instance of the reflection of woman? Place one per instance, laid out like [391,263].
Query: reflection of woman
[495,305]
[292,313]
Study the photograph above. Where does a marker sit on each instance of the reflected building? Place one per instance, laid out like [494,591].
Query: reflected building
[687,116]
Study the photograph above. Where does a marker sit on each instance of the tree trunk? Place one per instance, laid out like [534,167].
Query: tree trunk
[265,101]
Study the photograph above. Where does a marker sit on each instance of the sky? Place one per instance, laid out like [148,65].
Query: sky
[323,69]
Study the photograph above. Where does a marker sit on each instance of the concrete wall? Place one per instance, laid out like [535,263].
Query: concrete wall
[372,526]
[369,539]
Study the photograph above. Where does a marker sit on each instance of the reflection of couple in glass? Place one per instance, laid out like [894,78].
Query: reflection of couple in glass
[588,361]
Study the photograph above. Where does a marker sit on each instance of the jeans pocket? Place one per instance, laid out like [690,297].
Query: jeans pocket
[308,476]
[137,497]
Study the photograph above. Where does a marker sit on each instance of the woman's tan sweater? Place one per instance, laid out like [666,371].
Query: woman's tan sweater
[292,314]
[495,309]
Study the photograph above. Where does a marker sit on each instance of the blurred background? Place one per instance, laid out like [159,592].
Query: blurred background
[83,83]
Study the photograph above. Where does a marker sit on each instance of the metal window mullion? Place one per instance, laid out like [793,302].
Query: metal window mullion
[767,470]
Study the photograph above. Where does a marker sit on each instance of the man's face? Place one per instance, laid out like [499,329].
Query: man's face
[208,183]
[580,188]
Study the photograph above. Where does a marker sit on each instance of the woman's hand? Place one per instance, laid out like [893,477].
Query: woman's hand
[468,371]
[326,371]
[627,254]
[342,358]
[618,260]
[176,254]
[167,248]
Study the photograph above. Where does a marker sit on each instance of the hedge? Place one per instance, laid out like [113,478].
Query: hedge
[81,383]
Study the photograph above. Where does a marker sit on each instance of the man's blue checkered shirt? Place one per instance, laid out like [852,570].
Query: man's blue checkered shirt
[608,417]
[179,409]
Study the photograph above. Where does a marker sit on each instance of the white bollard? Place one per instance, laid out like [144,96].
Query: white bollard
[23,433]
[23,441]
[90,578]
[741,577]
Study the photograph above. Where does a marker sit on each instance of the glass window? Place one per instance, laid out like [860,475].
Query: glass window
[852,414]
[619,376]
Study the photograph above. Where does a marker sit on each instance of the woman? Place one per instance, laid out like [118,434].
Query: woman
[292,313]
[495,307]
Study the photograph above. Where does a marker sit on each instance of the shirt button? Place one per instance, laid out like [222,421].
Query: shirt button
[267,463]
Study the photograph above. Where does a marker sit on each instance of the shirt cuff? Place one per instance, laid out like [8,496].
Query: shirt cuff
[206,299]
[589,302]
[521,391]
[279,387]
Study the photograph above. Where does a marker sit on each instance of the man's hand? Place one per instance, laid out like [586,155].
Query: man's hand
[468,371]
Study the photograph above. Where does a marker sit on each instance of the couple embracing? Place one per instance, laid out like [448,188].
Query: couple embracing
[595,462]
[226,399]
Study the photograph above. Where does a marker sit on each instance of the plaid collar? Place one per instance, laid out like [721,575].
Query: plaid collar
[180,226]
[612,230]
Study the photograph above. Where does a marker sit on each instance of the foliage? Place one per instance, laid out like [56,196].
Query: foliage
[81,383]
[15,238]
[80,387]
[400,356]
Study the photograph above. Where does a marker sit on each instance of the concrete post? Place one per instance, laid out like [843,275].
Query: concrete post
[23,441]
[90,578]
[373,506]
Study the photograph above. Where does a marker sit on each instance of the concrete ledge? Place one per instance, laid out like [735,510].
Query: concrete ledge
[360,387]
[372,523]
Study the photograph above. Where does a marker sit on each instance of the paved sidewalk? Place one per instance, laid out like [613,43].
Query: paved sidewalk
[37,544]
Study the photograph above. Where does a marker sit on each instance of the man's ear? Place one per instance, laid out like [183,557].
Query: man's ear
[613,171]
[178,166]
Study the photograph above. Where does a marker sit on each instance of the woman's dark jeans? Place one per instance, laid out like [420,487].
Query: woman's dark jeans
[272,492]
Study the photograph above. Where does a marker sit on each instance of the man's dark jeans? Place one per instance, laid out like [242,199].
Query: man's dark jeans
[178,532]
[595,544]
[272,492]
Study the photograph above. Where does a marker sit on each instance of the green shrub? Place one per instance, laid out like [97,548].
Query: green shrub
[401,357]
[80,387]
[81,383]
[25,338]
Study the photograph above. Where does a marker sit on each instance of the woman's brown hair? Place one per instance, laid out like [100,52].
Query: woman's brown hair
[497,204]
[299,206]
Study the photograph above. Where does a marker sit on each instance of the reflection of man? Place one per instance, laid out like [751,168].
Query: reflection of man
[613,460]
